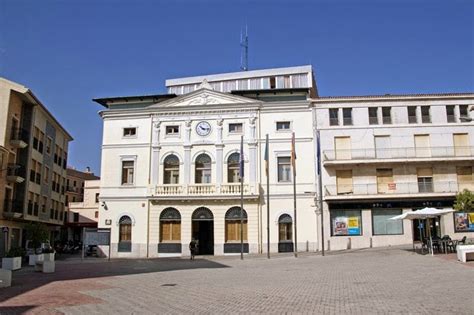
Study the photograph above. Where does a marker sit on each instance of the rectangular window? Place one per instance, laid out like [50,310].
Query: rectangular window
[129,132]
[381,225]
[46,174]
[425,179]
[284,169]
[346,222]
[127,172]
[347,116]
[342,146]
[344,182]
[235,128]
[384,180]
[461,144]
[373,116]
[412,115]
[422,146]
[425,114]
[272,83]
[334,116]
[283,126]
[450,116]
[386,115]
[172,130]
[465,178]
[463,222]
[463,113]
[76,217]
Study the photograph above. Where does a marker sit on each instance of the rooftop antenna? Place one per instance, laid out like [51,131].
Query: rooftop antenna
[244,52]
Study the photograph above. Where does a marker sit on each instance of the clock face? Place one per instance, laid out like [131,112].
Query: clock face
[203,128]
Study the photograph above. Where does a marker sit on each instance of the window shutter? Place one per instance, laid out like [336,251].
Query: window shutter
[422,146]
[344,181]
[343,148]
[461,144]
[176,234]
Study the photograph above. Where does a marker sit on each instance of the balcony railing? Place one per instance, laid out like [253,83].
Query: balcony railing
[12,206]
[19,138]
[410,188]
[226,189]
[15,173]
[397,153]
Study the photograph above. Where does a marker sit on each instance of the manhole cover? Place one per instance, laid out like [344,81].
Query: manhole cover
[168,285]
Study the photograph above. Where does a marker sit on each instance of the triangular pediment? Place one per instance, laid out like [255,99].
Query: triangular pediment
[205,97]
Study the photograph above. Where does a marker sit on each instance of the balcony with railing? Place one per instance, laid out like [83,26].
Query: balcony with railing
[196,191]
[373,155]
[395,189]
[19,138]
[12,209]
[16,173]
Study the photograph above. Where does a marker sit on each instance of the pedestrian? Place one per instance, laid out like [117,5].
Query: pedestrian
[193,248]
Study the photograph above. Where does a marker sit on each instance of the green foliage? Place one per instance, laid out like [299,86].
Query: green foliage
[464,201]
[37,233]
[16,252]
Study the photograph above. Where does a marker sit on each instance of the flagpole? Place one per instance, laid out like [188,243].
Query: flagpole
[293,155]
[320,189]
[241,197]
[268,194]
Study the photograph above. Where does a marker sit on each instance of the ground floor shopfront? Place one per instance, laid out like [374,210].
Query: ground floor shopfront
[367,224]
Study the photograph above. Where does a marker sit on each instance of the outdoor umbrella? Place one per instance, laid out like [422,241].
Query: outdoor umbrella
[423,214]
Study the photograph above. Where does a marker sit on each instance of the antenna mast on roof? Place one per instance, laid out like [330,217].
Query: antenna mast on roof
[244,51]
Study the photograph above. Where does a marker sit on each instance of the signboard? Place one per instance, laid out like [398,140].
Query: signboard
[346,226]
[96,237]
[464,221]
[392,186]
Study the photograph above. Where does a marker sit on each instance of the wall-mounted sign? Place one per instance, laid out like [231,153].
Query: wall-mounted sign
[108,222]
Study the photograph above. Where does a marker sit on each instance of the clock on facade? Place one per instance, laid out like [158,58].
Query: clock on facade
[203,128]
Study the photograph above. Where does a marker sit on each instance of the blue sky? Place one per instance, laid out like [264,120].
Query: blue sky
[69,52]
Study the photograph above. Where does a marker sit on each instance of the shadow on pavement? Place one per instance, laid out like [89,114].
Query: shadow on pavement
[26,279]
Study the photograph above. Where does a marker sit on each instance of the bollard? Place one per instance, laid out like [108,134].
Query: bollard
[349,243]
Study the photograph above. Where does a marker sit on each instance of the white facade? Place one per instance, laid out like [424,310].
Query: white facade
[168,165]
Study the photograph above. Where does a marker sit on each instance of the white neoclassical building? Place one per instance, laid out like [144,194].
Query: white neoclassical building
[170,164]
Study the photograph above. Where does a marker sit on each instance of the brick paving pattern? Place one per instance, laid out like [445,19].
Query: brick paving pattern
[377,281]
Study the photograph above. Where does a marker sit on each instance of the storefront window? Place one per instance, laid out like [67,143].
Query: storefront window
[382,225]
[464,221]
[346,222]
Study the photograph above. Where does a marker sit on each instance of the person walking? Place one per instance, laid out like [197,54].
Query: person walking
[193,248]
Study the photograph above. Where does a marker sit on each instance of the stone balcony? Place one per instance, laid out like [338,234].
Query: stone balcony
[396,155]
[395,190]
[204,191]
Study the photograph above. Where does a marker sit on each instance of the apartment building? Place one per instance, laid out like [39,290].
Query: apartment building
[84,213]
[33,177]
[385,155]
[170,165]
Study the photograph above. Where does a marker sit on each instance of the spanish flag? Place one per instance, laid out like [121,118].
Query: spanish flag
[293,154]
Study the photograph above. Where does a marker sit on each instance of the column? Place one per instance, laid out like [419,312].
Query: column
[187,152]
[252,144]
[155,152]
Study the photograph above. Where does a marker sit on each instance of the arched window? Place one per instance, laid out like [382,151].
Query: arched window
[125,234]
[203,169]
[232,225]
[170,226]
[285,228]
[233,168]
[171,170]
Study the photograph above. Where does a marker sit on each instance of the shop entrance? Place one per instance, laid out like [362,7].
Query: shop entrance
[203,230]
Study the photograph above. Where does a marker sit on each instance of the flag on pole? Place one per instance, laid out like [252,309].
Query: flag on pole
[318,153]
[266,156]
[241,161]
[293,154]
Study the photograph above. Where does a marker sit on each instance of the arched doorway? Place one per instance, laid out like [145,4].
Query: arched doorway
[125,234]
[203,230]
[232,231]
[285,233]
[170,231]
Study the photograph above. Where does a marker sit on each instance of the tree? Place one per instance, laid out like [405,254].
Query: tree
[464,201]
[37,233]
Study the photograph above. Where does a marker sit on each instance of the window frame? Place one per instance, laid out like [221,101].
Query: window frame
[171,170]
[235,132]
[289,129]
[134,169]
[172,134]
[396,221]
[124,135]
[371,118]
[333,121]
[290,179]
[415,121]
[386,121]
[332,215]
[448,115]
[344,119]
[425,120]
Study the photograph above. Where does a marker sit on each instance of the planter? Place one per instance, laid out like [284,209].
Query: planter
[34,258]
[48,257]
[11,263]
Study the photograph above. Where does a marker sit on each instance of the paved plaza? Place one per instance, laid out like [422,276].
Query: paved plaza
[375,281]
